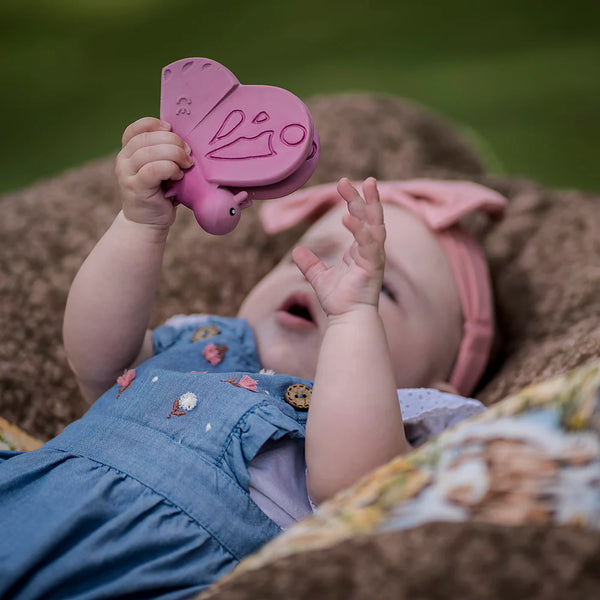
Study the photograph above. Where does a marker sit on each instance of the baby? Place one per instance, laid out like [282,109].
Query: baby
[206,446]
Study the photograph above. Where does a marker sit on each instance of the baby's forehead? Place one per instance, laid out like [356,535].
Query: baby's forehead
[398,221]
[409,241]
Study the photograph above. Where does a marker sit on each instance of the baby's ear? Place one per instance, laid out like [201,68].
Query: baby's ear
[444,386]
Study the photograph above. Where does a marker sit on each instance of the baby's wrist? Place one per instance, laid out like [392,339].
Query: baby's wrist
[148,232]
[355,316]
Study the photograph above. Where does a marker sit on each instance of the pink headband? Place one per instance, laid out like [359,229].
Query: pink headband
[440,204]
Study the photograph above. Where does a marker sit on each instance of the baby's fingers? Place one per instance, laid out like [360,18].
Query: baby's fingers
[159,152]
[160,170]
[153,138]
[368,209]
[356,205]
[369,241]
[373,209]
[143,125]
[309,263]
[371,195]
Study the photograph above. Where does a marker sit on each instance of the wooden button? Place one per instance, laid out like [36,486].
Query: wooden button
[203,333]
[298,395]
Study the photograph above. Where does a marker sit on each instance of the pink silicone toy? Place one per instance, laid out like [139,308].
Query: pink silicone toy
[249,142]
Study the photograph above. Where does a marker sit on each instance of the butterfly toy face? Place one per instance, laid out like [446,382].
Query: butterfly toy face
[249,142]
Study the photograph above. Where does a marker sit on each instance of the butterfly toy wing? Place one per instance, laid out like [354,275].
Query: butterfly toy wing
[249,141]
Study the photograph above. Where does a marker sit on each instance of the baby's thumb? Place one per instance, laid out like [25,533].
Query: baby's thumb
[308,262]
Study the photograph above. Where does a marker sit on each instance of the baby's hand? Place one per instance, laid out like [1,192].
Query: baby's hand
[150,154]
[356,281]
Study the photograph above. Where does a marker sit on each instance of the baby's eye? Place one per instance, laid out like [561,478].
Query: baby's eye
[387,291]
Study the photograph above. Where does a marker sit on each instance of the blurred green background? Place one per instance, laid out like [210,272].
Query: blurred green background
[522,76]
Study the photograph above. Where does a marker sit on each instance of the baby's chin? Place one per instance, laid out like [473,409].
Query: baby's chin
[286,363]
[285,352]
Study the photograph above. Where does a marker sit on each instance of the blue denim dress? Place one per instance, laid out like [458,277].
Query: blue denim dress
[147,495]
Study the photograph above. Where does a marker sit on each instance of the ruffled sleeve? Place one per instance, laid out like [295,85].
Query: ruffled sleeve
[427,412]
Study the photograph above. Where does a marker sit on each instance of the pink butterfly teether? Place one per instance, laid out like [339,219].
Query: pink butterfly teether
[249,142]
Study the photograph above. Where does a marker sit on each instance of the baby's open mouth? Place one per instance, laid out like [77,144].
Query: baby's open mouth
[296,312]
[300,311]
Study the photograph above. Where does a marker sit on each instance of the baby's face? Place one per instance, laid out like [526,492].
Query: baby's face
[419,304]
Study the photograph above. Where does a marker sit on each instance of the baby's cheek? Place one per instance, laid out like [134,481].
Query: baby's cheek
[413,357]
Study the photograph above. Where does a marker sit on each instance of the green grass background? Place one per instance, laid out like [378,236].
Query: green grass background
[522,76]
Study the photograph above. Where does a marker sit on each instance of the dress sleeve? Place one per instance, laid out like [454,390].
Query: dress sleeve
[427,412]
[278,481]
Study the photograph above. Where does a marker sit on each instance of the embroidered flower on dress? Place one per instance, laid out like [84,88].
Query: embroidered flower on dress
[187,402]
[245,382]
[124,381]
[267,372]
[214,354]
[250,384]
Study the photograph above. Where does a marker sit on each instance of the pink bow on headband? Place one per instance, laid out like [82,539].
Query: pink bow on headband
[440,204]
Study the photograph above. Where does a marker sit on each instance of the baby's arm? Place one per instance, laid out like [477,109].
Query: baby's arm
[354,422]
[110,300]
